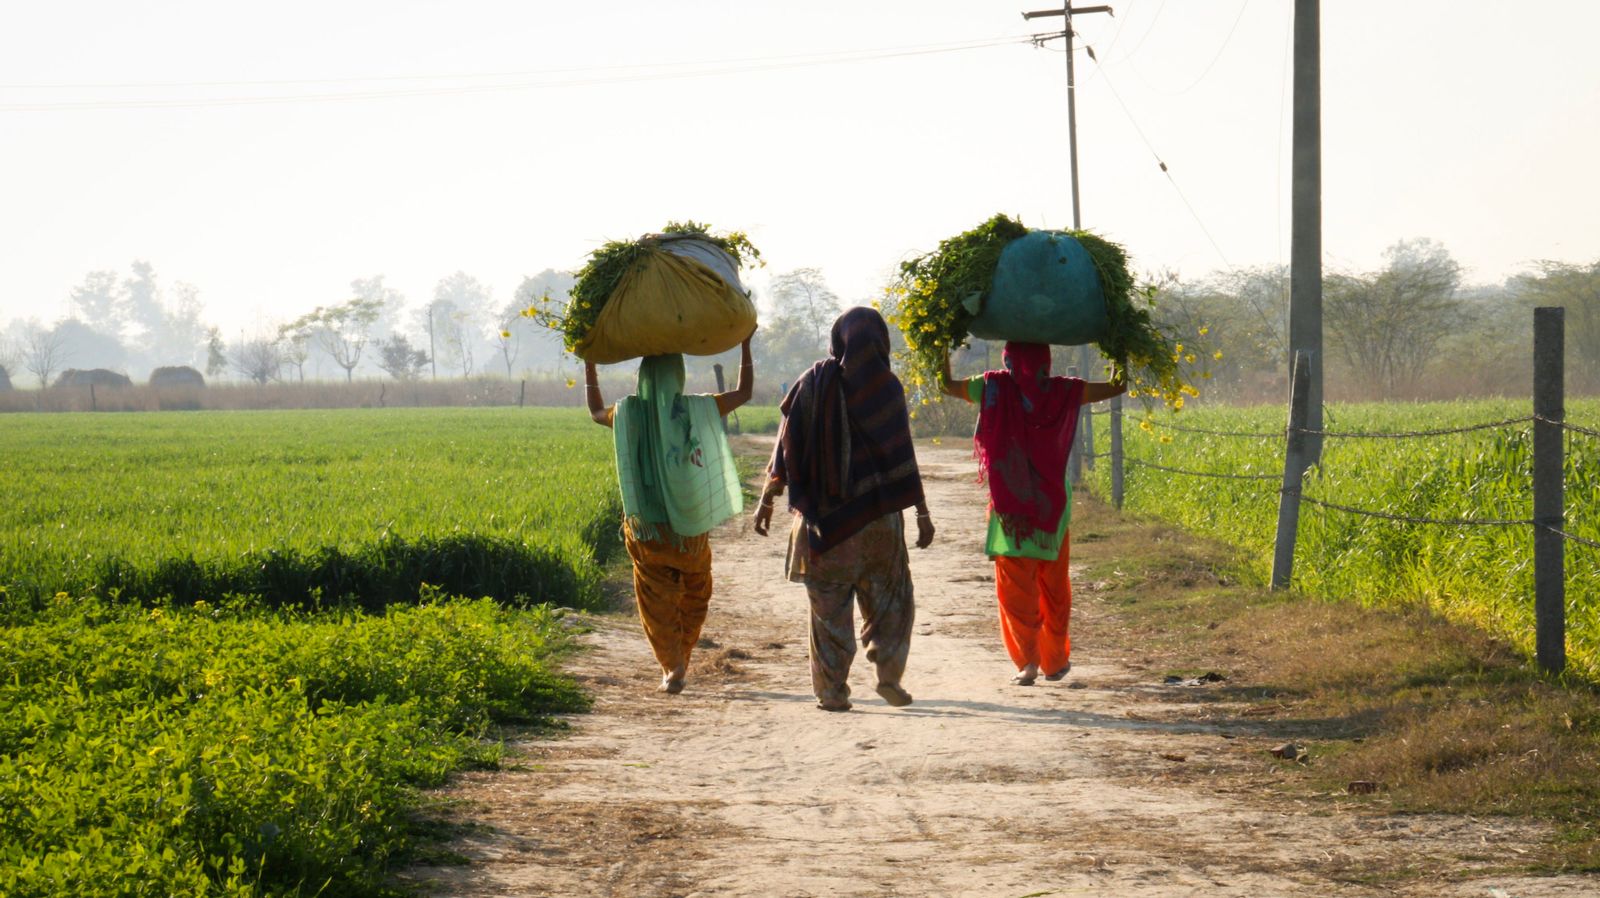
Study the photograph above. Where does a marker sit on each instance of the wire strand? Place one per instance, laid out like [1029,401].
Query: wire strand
[707,70]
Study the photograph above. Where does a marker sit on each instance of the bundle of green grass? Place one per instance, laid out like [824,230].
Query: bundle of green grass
[1003,281]
[673,291]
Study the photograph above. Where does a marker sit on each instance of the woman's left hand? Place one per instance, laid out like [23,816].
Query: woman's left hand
[924,531]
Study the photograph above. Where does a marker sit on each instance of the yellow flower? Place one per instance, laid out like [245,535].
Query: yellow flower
[1145,426]
[1204,331]
[1177,404]
[1217,355]
[1165,438]
[1178,348]
[571,383]
[1206,375]
[1189,358]
[505,335]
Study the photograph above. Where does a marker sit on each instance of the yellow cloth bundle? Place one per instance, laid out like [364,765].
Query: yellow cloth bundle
[665,304]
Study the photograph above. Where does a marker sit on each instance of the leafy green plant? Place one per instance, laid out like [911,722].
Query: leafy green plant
[606,268]
[228,750]
[928,304]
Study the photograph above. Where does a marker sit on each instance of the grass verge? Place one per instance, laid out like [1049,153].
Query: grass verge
[1438,716]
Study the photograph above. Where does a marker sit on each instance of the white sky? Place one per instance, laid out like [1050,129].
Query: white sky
[1474,123]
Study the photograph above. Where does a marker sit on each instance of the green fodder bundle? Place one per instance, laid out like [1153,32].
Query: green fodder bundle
[597,280]
[936,297]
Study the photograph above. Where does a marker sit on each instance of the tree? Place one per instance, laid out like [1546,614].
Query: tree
[44,351]
[797,334]
[1575,288]
[180,336]
[803,296]
[216,353]
[1388,325]
[1242,315]
[294,346]
[139,306]
[537,345]
[455,315]
[342,331]
[90,347]
[256,358]
[96,300]
[402,361]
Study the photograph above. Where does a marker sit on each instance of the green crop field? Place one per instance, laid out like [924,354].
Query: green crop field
[481,501]
[221,670]
[1480,574]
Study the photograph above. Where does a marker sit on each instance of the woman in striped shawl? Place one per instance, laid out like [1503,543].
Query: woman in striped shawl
[844,452]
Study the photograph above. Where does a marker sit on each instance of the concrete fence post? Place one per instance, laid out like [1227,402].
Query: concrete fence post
[1295,462]
[1549,490]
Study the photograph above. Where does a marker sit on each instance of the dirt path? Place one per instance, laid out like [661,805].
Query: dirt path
[1095,785]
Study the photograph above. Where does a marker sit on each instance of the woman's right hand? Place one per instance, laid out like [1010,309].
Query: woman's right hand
[763,517]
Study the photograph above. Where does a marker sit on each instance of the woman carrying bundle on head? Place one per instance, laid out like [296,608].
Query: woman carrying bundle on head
[844,452]
[678,482]
[1026,421]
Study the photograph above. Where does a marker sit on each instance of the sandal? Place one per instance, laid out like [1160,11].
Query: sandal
[1060,674]
[1023,679]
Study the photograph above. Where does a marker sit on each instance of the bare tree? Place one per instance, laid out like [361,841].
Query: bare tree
[455,315]
[43,351]
[1388,325]
[294,346]
[257,359]
[803,295]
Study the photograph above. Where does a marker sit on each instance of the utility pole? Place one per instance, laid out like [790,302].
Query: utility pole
[1066,12]
[1305,230]
[1083,437]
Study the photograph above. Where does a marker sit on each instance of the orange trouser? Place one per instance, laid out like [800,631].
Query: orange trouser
[1035,608]
[673,587]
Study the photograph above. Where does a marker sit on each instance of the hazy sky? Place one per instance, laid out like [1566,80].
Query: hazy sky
[503,138]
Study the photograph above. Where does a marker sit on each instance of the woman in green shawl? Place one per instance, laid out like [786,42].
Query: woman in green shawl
[678,482]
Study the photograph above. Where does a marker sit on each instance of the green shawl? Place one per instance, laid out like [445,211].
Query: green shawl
[673,460]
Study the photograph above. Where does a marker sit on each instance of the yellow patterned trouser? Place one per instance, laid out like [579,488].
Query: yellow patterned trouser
[672,586]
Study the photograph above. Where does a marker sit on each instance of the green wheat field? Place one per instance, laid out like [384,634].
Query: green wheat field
[1478,574]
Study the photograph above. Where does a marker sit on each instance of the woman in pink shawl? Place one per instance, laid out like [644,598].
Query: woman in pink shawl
[1026,421]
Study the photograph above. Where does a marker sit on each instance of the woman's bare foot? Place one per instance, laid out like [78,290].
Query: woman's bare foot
[1026,676]
[1060,674]
[894,695]
[672,680]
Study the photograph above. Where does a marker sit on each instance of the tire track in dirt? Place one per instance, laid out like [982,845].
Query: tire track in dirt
[741,787]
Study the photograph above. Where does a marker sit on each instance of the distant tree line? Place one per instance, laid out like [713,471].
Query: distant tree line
[1410,329]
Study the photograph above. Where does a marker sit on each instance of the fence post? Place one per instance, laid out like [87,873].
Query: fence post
[1549,488]
[94,406]
[1116,451]
[522,392]
[1295,462]
[1075,451]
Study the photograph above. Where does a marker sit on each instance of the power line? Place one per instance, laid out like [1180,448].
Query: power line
[1151,147]
[1225,41]
[531,80]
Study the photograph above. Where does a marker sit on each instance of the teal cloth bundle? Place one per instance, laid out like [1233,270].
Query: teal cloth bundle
[1045,290]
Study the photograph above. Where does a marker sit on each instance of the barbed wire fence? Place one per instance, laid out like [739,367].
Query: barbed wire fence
[1547,484]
